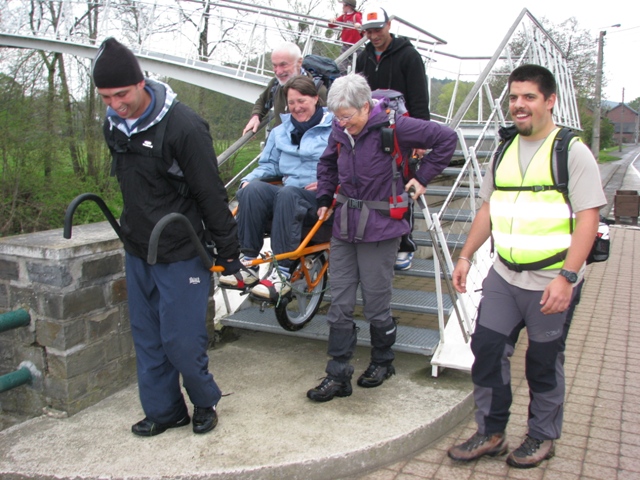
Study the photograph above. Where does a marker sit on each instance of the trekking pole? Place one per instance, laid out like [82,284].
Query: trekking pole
[68,216]
[441,261]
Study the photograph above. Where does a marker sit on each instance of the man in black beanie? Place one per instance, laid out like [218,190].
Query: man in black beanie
[164,160]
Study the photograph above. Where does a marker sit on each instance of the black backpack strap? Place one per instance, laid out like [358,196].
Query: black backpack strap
[158,140]
[272,99]
[539,265]
[560,158]
[561,151]
[507,134]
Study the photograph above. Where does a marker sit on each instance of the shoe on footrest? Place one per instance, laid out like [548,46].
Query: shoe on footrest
[403,261]
[274,287]
[244,278]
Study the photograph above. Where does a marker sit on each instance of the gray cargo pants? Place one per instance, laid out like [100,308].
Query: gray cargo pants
[370,265]
[504,311]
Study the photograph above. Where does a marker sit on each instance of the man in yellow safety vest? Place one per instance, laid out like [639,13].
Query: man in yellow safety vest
[542,241]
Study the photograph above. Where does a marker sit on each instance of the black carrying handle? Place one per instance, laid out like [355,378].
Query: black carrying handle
[68,216]
[152,255]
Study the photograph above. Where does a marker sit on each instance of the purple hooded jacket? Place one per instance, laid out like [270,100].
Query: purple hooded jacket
[365,172]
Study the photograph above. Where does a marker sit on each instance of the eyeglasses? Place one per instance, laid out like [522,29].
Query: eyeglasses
[347,118]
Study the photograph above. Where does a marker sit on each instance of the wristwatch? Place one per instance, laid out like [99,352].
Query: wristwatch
[572,277]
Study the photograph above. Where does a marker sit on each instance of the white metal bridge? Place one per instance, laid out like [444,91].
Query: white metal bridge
[225,45]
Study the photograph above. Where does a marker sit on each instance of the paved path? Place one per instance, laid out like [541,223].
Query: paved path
[601,437]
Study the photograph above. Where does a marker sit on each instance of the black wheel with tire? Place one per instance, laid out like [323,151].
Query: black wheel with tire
[295,311]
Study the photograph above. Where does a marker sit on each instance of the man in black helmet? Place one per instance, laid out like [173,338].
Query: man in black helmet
[164,160]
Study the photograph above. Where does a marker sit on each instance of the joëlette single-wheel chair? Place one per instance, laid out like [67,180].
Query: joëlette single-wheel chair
[309,275]
[309,272]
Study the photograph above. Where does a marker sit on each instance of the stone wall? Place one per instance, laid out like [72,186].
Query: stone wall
[79,336]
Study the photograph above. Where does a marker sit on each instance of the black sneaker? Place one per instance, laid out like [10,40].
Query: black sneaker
[205,419]
[375,374]
[148,428]
[329,388]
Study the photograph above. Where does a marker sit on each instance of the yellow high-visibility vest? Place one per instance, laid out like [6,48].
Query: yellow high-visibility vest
[530,227]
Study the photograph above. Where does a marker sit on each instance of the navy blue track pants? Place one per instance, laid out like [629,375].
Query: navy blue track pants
[167,308]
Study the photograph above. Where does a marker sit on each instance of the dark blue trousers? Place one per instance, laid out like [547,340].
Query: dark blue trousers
[286,209]
[167,309]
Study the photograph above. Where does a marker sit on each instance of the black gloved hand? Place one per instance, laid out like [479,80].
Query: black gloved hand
[230,265]
[324,201]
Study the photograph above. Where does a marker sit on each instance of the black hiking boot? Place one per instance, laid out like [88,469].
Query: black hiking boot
[375,374]
[329,388]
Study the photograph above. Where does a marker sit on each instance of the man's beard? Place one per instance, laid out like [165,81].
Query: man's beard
[526,131]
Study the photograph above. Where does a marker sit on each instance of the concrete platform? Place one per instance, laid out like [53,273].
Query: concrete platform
[268,428]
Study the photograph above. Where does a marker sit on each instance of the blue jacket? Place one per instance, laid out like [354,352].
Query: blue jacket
[364,171]
[297,164]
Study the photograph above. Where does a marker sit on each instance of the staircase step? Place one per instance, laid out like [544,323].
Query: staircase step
[420,267]
[409,339]
[454,240]
[411,301]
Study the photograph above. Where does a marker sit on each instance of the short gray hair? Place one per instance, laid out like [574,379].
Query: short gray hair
[350,91]
[291,49]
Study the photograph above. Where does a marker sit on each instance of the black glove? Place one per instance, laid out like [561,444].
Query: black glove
[230,265]
[324,201]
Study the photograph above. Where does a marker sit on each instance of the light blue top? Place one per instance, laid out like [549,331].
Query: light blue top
[297,164]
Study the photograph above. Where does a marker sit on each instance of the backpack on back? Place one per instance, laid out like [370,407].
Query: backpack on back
[390,145]
[324,70]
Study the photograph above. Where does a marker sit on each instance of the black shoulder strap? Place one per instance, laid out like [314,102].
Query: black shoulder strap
[272,98]
[507,134]
[561,158]
[158,140]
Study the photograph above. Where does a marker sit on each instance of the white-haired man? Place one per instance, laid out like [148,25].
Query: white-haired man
[286,59]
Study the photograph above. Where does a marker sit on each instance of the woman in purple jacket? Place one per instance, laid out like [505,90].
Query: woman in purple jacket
[368,222]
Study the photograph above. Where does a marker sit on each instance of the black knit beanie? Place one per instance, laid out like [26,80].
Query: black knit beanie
[115,66]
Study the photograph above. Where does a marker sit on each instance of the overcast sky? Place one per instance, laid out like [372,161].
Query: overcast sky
[477,27]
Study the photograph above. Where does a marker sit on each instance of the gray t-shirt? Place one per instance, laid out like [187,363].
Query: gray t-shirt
[585,192]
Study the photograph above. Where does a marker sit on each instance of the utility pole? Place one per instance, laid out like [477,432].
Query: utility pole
[595,137]
[621,121]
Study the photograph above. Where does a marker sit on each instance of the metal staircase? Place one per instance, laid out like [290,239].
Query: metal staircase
[428,323]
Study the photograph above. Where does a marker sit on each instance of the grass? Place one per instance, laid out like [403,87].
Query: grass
[605,156]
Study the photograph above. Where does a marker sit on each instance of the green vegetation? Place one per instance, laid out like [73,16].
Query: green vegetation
[605,156]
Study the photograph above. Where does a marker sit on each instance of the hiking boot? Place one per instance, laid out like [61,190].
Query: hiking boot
[204,419]
[274,287]
[479,445]
[403,261]
[244,278]
[531,453]
[149,428]
[329,388]
[374,375]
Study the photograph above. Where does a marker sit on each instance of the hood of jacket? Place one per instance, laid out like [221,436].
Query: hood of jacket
[162,97]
